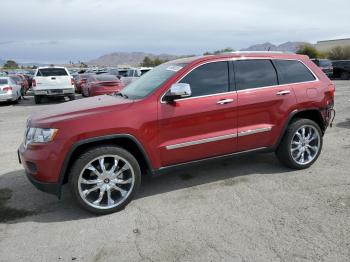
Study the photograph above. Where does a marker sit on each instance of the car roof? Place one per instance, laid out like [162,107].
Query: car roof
[45,67]
[240,55]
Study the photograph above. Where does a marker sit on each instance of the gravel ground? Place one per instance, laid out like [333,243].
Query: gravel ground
[248,208]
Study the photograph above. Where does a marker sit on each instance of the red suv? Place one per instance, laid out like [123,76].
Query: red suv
[181,112]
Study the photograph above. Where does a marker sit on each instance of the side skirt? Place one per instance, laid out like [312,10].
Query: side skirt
[167,169]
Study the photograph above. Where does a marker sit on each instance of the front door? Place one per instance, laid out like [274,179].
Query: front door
[203,125]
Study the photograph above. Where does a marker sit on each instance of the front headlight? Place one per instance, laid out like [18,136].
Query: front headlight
[39,135]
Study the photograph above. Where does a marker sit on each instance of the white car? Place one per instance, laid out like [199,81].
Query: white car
[9,90]
[52,82]
[134,74]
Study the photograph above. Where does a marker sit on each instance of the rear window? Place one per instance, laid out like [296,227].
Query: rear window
[292,71]
[106,77]
[325,63]
[3,81]
[52,72]
[254,73]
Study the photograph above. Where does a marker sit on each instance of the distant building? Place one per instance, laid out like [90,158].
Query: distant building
[326,45]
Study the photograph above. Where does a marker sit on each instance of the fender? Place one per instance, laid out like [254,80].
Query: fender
[290,117]
[96,139]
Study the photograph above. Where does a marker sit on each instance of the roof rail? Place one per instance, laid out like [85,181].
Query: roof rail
[255,52]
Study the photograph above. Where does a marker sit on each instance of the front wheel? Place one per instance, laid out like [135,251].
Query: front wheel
[104,179]
[301,144]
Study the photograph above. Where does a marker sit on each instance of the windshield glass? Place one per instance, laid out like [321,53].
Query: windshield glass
[149,82]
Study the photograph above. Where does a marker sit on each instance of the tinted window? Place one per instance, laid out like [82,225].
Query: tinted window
[325,62]
[292,71]
[52,72]
[3,81]
[208,79]
[106,78]
[254,73]
[152,80]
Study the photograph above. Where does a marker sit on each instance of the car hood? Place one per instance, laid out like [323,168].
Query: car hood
[79,108]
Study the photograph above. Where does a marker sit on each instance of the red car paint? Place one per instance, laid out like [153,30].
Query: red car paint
[155,125]
[101,85]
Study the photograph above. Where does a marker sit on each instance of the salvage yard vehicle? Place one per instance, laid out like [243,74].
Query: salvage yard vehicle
[10,90]
[325,65]
[182,112]
[341,69]
[52,82]
[101,85]
[134,74]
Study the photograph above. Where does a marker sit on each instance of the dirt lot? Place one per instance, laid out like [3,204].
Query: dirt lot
[248,208]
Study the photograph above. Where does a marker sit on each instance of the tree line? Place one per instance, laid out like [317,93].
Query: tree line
[335,53]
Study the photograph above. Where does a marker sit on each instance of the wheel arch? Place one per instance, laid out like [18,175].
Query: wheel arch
[126,141]
[313,114]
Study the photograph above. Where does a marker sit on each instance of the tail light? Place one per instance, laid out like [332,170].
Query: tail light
[331,90]
[8,88]
[72,81]
[33,82]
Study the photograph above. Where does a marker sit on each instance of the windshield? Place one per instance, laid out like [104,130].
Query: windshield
[149,82]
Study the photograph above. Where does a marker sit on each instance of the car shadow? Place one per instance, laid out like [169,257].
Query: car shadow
[20,201]
[344,124]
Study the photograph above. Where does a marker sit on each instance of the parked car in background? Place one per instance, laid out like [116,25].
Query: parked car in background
[19,81]
[25,83]
[325,65]
[101,85]
[79,81]
[10,90]
[341,69]
[134,74]
[52,82]
[181,112]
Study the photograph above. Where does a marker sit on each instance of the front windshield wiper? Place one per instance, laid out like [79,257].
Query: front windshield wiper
[121,94]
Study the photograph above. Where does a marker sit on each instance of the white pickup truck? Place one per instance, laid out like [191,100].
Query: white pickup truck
[52,82]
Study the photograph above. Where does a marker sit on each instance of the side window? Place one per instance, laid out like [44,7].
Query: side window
[208,79]
[254,73]
[292,71]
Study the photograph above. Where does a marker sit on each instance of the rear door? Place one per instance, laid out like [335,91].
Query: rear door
[203,125]
[52,78]
[263,105]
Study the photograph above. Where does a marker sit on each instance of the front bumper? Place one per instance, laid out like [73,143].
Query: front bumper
[51,188]
[41,167]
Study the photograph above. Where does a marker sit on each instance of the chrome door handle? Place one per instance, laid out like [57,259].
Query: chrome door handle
[224,101]
[283,92]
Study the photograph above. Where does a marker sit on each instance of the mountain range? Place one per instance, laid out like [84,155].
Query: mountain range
[127,58]
[135,58]
[285,47]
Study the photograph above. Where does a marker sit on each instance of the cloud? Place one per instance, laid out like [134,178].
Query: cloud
[84,29]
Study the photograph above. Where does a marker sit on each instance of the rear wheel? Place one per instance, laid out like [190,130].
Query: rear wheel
[345,75]
[105,179]
[37,99]
[301,144]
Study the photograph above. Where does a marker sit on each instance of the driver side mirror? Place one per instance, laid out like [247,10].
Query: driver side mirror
[177,91]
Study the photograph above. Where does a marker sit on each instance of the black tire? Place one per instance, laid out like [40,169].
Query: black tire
[71,97]
[345,76]
[37,99]
[89,156]
[283,151]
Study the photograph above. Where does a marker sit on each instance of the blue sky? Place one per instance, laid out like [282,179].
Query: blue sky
[64,30]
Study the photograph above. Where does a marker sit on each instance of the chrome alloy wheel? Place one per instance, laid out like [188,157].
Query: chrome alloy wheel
[305,144]
[106,181]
